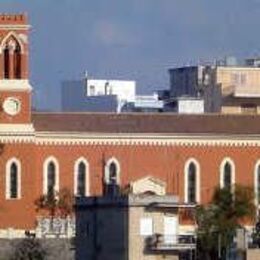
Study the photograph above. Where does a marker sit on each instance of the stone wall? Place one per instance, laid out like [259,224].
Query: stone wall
[57,249]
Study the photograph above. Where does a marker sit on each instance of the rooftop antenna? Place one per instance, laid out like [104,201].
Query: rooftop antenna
[86,74]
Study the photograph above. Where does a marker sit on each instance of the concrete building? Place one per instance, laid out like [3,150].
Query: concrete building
[94,95]
[133,227]
[97,95]
[225,88]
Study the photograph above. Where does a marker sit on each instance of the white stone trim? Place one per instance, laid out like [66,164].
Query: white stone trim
[8,27]
[87,184]
[15,85]
[70,138]
[7,178]
[186,171]
[233,172]
[106,175]
[25,133]
[45,174]
[16,128]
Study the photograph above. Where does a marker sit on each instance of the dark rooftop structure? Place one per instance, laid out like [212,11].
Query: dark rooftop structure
[142,123]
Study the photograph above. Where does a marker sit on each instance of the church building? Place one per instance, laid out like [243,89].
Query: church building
[186,155]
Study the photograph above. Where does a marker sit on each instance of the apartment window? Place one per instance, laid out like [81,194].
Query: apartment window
[238,79]
[92,90]
[146,226]
[249,109]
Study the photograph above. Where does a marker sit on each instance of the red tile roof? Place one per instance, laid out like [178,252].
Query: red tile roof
[164,123]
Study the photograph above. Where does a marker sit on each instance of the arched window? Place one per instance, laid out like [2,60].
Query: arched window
[6,63]
[81,181]
[192,181]
[12,56]
[50,176]
[112,171]
[81,177]
[51,179]
[13,179]
[17,62]
[227,174]
[112,177]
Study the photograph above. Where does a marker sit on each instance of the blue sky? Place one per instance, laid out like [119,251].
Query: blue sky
[131,39]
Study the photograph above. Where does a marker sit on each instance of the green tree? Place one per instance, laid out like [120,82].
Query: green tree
[218,221]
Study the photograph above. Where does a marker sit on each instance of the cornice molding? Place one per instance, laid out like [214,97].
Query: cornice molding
[47,138]
[8,27]
[15,85]
[11,133]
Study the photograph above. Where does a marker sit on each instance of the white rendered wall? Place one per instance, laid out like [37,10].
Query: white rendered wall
[190,106]
[124,90]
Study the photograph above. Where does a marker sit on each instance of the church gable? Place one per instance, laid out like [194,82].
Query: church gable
[148,184]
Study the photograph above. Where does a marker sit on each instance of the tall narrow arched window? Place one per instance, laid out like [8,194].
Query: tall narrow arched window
[51,179]
[81,179]
[13,50]
[13,179]
[6,63]
[112,177]
[192,181]
[227,174]
[50,176]
[17,62]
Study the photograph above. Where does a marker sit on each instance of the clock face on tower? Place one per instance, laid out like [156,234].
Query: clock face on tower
[12,106]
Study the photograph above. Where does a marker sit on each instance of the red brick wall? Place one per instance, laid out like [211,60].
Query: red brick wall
[166,163]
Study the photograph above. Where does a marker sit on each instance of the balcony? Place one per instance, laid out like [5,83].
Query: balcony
[159,242]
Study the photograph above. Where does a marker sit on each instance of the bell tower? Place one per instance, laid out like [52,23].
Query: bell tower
[15,90]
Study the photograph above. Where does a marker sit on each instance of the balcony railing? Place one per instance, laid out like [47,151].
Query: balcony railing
[171,242]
